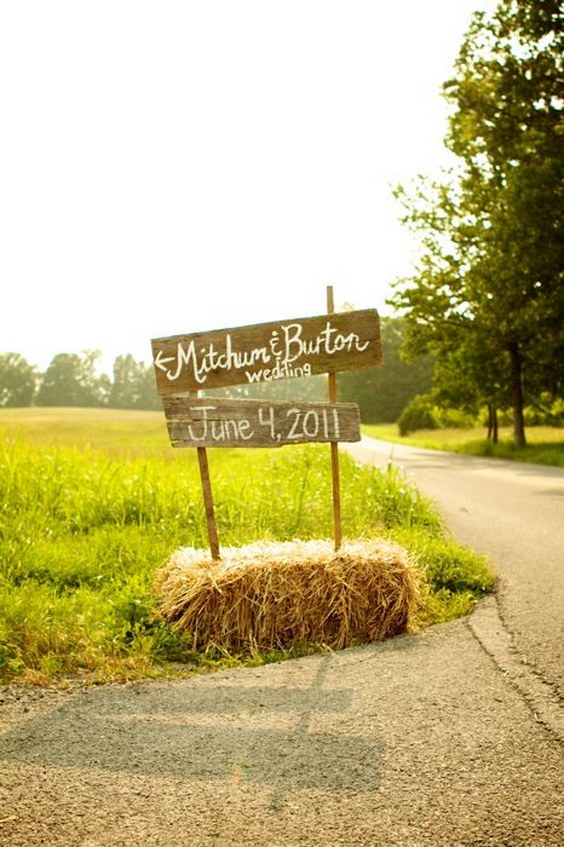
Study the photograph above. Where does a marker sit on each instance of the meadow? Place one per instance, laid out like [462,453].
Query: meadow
[94,501]
[545,444]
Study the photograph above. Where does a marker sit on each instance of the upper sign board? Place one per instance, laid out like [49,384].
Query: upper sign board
[264,352]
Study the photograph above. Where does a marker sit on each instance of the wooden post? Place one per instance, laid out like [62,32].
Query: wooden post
[208,499]
[334,444]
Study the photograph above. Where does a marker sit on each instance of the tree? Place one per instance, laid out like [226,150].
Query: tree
[488,290]
[71,380]
[148,396]
[382,393]
[18,380]
[128,384]
[134,385]
[308,389]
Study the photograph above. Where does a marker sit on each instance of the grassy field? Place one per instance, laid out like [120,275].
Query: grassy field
[92,502]
[545,444]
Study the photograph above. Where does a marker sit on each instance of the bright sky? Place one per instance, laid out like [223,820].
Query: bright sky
[179,166]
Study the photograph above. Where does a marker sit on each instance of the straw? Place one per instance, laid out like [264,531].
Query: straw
[266,595]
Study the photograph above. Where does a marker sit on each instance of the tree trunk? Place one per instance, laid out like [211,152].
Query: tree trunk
[493,428]
[517,403]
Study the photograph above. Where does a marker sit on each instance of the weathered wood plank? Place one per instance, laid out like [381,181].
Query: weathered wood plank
[335,470]
[265,352]
[220,422]
[208,502]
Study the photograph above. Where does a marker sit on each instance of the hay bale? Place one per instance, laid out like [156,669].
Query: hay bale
[274,595]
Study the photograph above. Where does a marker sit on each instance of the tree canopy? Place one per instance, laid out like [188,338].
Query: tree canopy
[18,380]
[73,380]
[487,296]
[133,385]
[382,393]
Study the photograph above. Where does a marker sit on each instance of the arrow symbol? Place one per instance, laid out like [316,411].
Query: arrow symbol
[160,362]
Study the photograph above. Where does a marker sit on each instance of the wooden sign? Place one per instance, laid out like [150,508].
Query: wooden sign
[265,352]
[187,364]
[217,422]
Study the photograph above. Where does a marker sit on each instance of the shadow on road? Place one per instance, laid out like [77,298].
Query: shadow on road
[209,732]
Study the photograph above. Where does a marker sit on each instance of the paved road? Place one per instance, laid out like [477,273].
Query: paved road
[514,512]
[443,739]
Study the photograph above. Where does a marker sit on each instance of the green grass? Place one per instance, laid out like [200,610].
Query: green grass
[92,502]
[545,444]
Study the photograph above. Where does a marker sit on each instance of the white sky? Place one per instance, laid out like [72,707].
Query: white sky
[173,167]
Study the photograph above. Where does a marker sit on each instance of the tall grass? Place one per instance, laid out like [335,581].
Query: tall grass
[92,504]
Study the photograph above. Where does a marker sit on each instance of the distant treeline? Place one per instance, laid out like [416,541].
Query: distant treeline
[72,379]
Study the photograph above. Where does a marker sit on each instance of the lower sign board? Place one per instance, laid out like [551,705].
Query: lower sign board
[218,422]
